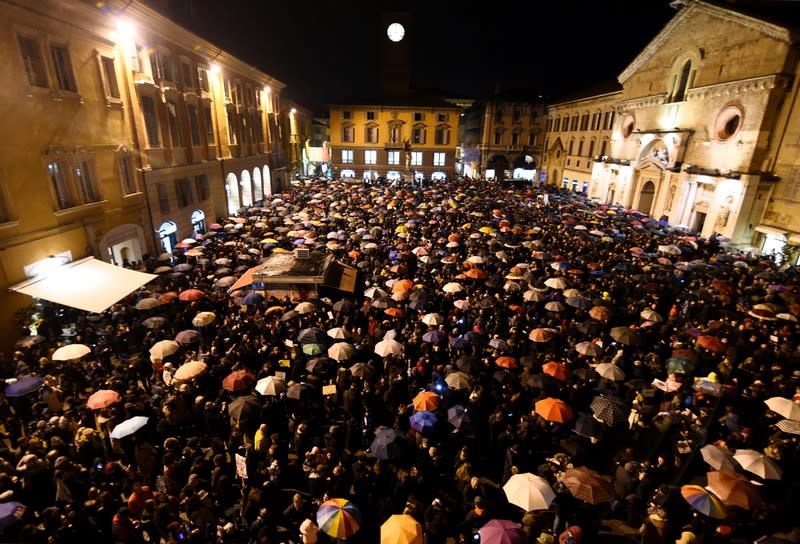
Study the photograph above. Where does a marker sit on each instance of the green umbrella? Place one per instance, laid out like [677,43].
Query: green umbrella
[313,349]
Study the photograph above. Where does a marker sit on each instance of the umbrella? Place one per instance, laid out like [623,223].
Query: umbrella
[164,348]
[244,408]
[556,370]
[129,426]
[785,407]
[338,518]
[252,299]
[458,380]
[529,491]
[345,306]
[758,464]
[610,410]
[600,313]
[299,390]
[502,531]
[341,351]
[70,352]
[401,529]
[148,303]
[373,293]
[626,336]
[556,283]
[789,426]
[426,400]
[291,314]
[434,337]
[423,421]
[23,386]
[587,426]
[553,409]
[541,335]
[305,308]
[190,295]
[312,335]
[203,318]
[433,319]
[388,444]
[589,349]
[189,370]
[388,346]
[458,416]
[362,370]
[651,315]
[452,287]
[271,386]
[10,513]
[610,371]
[704,501]
[102,398]
[313,349]
[588,485]
[189,336]
[468,364]
[238,380]
[733,489]
[155,322]
[712,343]
[717,458]
[339,333]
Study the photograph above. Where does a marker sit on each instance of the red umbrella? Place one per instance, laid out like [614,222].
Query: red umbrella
[190,295]
[102,398]
[238,380]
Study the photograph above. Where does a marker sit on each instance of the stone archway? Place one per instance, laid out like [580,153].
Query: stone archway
[646,196]
[232,190]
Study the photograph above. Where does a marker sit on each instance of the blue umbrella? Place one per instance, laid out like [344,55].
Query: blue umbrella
[10,512]
[434,337]
[253,299]
[423,421]
[388,444]
[459,417]
[23,386]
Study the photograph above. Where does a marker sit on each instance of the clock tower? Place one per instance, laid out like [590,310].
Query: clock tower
[395,52]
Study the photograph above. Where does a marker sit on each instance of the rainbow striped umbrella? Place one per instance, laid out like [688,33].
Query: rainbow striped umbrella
[704,501]
[339,518]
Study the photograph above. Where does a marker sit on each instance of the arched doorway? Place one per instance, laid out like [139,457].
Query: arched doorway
[232,190]
[247,189]
[198,221]
[267,181]
[258,186]
[646,196]
[123,243]
[168,233]
[554,177]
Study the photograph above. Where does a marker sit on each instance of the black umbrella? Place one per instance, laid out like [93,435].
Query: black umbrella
[588,426]
[245,408]
[291,314]
[312,335]
[345,306]
[300,390]
[319,365]
[610,410]
[468,364]
[591,327]
[155,322]
[459,417]
[388,444]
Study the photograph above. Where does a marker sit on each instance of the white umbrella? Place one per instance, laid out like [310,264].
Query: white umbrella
[556,283]
[649,314]
[462,304]
[529,492]
[70,352]
[129,426]
[785,407]
[271,386]
[341,351]
[452,287]
[433,319]
[387,347]
[717,458]
[610,371]
[375,292]
[758,464]
[339,333]
[305,308]
[164,348]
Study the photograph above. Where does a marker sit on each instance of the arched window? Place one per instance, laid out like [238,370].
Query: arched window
[232,190]
[198,221]
[247,189]
[258,186]
[683,82]
[267,180]
[167,232]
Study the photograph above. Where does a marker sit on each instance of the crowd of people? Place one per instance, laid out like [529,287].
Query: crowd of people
[494,331]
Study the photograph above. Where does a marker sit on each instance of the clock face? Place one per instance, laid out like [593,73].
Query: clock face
[395,31]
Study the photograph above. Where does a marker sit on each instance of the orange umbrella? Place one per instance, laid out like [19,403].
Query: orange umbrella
[556,370]
[506,362]
[541,335]
[190,295]
[712,343]
[600,313]
[553,409]
[394,312]
[734,489]
[475,274]
[426,401]
[402,285]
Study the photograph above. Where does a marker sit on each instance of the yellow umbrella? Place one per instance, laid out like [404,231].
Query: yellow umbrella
[486,230]
[401,529]
[204,318]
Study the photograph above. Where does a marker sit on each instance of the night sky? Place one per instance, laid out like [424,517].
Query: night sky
[324,49]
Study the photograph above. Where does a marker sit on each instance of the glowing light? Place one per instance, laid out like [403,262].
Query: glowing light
[293,110]
[215,69]
[125,28]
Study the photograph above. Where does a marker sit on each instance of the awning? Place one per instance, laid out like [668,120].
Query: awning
[88,284]
[246,279]
[772,231]
[793,239]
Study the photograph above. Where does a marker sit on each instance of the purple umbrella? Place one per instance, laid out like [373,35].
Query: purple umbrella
[434,337]
[188,336]
[423,421]
[502,531]
[23,386]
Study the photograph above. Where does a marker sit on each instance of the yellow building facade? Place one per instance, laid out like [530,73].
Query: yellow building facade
[404,138]
[124,133]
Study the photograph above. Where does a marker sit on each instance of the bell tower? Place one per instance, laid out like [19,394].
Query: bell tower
[395,50]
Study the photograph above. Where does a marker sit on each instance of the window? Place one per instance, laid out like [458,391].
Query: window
[347,115]
[186,73]
[498,138]
[532,138]
[393,157]
[183,189]
[370,156]
[126,172]
[550,125]
[348,134]
[596,121]
[416,158]
[608,123]
[109,76]
[394,134]
[55,169]
[202,78]
[442,136]
[585,121]
[209,124]
[557,125]
[571,147]
[170,68]
[370,116]
[439,159]
[603,148]
[371,134]
[574,123]
[418,116]
[347,156]
[728,123]
[163,198]
[232,132]
[174,123]
[418,135]
[443,118]
[32,59]
[84,174]
[156,66]
[679,92]
[194,128]
[150,121]
[580,148]
[201,187]
[226,89]
[237,96]
[515,138]
[591,149]
[65,77]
